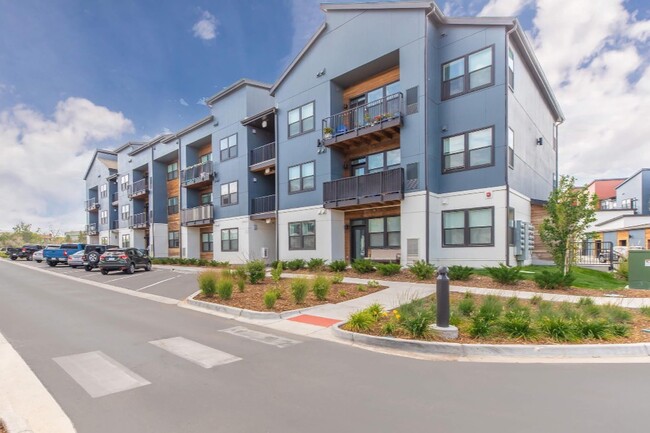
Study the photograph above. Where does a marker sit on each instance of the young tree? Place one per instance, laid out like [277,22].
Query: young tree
[570,211]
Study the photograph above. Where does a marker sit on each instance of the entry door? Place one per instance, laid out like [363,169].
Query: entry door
[359,242]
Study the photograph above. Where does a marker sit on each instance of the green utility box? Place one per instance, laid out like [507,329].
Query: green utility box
[639,269]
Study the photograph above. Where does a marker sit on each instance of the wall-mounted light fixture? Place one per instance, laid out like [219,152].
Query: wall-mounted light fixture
[540,141]
[264,123]
[444,128]
[320,73]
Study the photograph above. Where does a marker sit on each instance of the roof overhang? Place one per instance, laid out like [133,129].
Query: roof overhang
[234,87]
[92,160]
[192,127]
[326,7]
[156,140]
[262,115]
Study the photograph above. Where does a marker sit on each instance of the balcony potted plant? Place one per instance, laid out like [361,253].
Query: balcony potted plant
[327,132]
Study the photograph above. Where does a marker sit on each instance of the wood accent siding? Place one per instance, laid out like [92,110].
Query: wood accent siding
[622,236]
[374,212]
[368,148]
[174,221]
[204,150]
[537,215]
[389,76]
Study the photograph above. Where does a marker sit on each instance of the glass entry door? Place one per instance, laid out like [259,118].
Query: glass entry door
[359,241]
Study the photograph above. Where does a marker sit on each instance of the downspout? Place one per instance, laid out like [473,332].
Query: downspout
[152,235]
[507,167]
[427,221]
[277,189]
[180,201]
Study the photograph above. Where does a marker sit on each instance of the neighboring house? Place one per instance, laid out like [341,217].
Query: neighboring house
[605,190]
[430,138]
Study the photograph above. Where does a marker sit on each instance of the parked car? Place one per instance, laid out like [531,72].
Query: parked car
[38,256]
[60,255]
[92,253]
[126,260]
[76,259]
[26,252]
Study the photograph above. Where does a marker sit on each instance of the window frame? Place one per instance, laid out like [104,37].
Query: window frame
[229,194]
[511,149]
[174,207]
[466,151]
[301,120]
[206,157]
[511,226]
[103,217]
[466,228]
[385,233]
[126,236]
[301,236]
[229,148]
[230,240]
[466,74]
[302,178]
[207,246]
[511,70]
[173,239]
[103,190]
[124,182]
[171,175]
[203,194]
[124,216]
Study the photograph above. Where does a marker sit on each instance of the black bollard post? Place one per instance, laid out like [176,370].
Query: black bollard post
[442,298]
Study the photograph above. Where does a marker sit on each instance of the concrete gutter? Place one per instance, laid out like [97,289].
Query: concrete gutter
[462,350]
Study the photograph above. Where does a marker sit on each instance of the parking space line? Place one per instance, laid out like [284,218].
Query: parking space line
[162,281]
[122,278]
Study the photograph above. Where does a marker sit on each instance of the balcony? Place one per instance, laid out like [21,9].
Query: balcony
[198,175]
[115,198]
[197,216]
[385,187]
[115,225]
[371,122]
[139,221]
[263,159]
[139,189]
[92,205]
[91,229]
[263,207]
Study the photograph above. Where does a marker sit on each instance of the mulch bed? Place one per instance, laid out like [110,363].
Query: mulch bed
[253,296]
[403,276]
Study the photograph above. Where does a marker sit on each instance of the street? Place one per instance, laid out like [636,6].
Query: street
[160,368]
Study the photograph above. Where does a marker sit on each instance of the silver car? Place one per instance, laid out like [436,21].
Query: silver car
[76,259]
[38,256]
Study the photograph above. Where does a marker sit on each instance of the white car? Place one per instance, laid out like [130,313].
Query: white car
[38,256]
[76,259]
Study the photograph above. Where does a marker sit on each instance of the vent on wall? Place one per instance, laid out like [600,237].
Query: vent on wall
[412,100]
[265,253]
[412,251]
[412,176]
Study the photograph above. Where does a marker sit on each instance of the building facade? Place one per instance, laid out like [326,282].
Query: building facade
[430,138]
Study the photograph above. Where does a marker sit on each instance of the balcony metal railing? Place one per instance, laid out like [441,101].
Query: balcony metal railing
[370,188]
[91,229]
[630,204]
[197,173]
[263,204]
[92,204]
[138,188]
[139,220]
[115,225]
[262,153]
[198,215]
[356,119]
[115,198]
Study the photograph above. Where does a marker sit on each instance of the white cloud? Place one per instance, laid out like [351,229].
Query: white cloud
[43,160]
[306,16]
[202,101]
[183,102]
[503,8]
[206,27]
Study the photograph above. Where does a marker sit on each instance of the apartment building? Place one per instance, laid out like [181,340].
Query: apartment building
[429,137]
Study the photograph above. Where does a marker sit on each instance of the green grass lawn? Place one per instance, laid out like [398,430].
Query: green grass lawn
[585,278]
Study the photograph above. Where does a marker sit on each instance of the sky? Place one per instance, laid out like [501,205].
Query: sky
[77,75]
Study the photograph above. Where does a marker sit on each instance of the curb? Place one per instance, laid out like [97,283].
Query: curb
[494,350]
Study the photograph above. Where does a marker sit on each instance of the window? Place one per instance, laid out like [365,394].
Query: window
[468,228]
[173,240]
[228,147]
[172,171]
[126,210]
[104,241]
[301,177]
[205,158]
[172,205]
[301,119]
[103,191]
[511,226]
[302,235]
[230,240]
[511,68]
[229,194]
[206,198]
[206,242]
[384,232]
[103,217]
[468,150]
[383,161]
[469,73]
[124,182]
[511,148]
[126,241]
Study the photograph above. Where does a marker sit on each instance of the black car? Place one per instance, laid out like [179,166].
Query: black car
[26,252]
[126,260]
[92,254]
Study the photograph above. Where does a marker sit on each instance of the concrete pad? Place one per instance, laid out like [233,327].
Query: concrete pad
[197,353]
[260,337]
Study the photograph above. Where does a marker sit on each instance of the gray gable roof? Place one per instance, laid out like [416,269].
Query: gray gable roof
[234,87]
[95,155]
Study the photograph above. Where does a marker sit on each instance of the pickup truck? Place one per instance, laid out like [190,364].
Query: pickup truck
[25,252]
[60,255]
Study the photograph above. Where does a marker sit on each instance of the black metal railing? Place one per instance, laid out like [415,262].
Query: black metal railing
[263,204]
[139,187]
[92,204]
[115,198]
[139,220]
[595,252]
[197,173]
[91,229]
[363,116]
[630,204]
[262,153]
[115,225]
[199,214]
[370,188]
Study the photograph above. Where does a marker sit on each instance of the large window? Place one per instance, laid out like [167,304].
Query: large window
[511,68]
[384,232]
[301,119]
[301,177]
[468,227]
[228,147]
[375,162]
[302,235]
[103,217]
[229,195]
[469,150]
[230,240]
[469,73]
[103,191]
[126,211]
[173,239]
[126,241]
[511,148]
[172,171]
[206,242]
[104,241]
[206,198]
[124,182]
[205,158]
[172,205]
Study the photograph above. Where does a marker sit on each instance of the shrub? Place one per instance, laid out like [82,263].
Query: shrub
[276,273]
[299,288]
[224,288]
[585,301]
[460,273]
[513,303]
[623,270]
[373,284]
[422,270]
[491,308]
[517,324]
[418,323]
[241,285]
[338,266]
[241,273]
[617,314]
[363,266]
[343,294]
[645,310]
[321,287]
[315,264]
[466,307]
[596,328]
[337,279]
[545,308]
[503,274]
[619,329]
[361,288]
[557,328]
[536,300]
[275,263]
[270,297]
[389,327]
[375,310]
[388,269]
[256,270]
[411,308]
[454,319]
[208,283]
[479,327]
[296,264]
[360,321]
[226,273]
[553,279]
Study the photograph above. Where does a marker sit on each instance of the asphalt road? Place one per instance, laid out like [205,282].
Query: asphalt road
[310,386]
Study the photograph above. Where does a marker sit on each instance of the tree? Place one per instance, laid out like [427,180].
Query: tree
[570,211]
[24,232]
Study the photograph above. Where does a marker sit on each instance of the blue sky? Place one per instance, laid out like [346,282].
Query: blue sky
[76,75]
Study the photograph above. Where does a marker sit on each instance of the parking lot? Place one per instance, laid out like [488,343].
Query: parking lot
[168,282]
